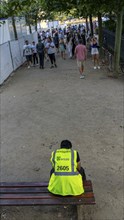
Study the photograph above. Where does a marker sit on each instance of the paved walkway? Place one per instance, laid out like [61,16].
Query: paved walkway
[39,108]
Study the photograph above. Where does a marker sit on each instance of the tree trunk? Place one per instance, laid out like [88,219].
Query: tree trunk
[117,48]
[87,26]
[36,23]
[28,23]
[100,32]
[30,30]
[91,24]
[14,28]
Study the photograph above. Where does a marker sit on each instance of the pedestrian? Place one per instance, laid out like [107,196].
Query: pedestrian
[56,41]
[50,47]
[73,45]
[40,50]
[27,52]
[62,48]
[44,41]
[67,175]
[81,55]
[35,58]
[83,36]
[95,52]
[69,46]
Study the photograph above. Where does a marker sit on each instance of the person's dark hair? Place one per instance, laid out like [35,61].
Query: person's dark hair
[66,144]
[80,41]
[50,39]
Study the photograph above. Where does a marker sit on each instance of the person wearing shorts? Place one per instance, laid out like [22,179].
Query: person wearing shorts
[81,55]
[95,53]
[27,52]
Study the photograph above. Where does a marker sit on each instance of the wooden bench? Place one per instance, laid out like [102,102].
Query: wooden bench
[36,193]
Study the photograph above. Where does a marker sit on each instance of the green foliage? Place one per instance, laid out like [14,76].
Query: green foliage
[110,25]
[49,7]
[12,8]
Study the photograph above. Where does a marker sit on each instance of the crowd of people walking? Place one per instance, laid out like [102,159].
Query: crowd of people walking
[72,42]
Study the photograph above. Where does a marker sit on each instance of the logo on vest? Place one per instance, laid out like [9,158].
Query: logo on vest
[59,158]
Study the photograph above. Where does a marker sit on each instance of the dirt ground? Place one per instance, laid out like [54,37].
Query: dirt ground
[39,108]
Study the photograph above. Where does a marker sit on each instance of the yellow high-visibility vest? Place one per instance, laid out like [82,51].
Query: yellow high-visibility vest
[65,180]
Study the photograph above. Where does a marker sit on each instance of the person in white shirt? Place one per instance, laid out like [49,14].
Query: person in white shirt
[35,58]
[27,52]
[50,47]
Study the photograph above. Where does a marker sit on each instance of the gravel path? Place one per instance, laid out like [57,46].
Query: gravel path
[39,108]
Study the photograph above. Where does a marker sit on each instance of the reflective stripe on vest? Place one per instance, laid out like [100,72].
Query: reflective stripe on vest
[72,173]
[53,159]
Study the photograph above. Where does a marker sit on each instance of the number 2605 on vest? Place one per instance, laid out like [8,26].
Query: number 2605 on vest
[60,168]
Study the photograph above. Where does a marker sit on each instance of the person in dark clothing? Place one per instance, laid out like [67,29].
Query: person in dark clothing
[40,50]
[83,38]
[56,41]
[73,45]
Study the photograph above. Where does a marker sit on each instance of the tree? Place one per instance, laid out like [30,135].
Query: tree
[119,21]
[11,9]
[104,6]
[38,9]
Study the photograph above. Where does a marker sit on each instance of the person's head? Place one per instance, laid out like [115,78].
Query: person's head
[49,39]
[94,39]
[39,40]
[26,42]
[66,144]
[61,39]
[80,41]
[33,42]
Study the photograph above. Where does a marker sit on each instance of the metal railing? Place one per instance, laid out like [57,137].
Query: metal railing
[109,42]
[107,58]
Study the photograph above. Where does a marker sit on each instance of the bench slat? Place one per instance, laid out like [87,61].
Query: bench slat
[36,193]
[32,190]
[17,202]
[41,196]
[31,184]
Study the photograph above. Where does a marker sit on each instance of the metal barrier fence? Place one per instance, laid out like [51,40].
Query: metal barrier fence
[11,55]
[107,58]
[109,42]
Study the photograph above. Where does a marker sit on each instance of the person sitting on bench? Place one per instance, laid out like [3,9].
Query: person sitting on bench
[67,175]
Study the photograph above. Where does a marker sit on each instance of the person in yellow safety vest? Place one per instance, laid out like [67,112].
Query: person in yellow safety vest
[67,175]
